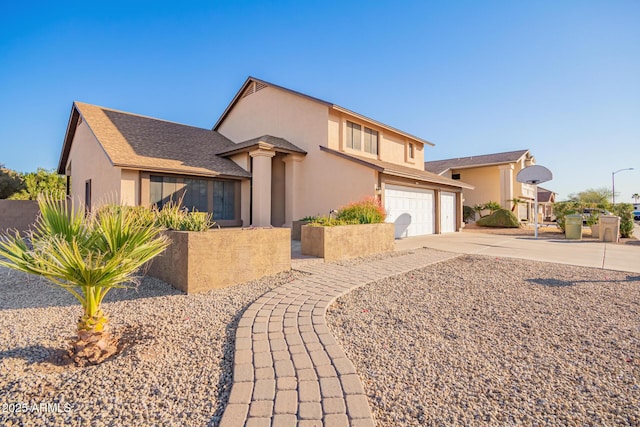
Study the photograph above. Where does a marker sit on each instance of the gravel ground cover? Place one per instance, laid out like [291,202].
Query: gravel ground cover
[174,370]
[486,341]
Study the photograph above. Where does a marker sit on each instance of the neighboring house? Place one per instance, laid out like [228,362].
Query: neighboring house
[546,199]
[494,179]
[274,156]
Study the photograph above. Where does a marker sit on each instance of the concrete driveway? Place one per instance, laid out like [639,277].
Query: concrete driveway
[587,253]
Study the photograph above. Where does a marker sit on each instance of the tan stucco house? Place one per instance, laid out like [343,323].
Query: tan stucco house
[546,199]
[274,156]
[493,177]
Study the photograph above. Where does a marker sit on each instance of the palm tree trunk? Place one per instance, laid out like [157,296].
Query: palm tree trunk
[95,342]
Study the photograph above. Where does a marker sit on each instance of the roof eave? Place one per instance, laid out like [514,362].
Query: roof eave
[68,139]
[175,171]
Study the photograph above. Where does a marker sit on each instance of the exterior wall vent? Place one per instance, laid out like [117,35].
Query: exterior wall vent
[253,88]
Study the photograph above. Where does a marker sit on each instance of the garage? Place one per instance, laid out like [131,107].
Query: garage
[412,210]
[447,212]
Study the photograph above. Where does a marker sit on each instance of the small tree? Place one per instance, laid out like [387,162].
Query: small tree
[625,212]
[635,197]
[10,182]
[562,209]
[516,201]
[41,181]
[87,257]
[492,207]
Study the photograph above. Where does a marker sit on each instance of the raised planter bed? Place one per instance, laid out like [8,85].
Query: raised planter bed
[347,241]
[296,229]
[201,261]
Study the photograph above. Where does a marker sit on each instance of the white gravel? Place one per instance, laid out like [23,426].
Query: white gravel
[485,341]
[176,369]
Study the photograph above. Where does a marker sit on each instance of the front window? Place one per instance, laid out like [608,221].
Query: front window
[354,135]
[196,195]
[411,153]
[162,190]
[370,141]
[224,196]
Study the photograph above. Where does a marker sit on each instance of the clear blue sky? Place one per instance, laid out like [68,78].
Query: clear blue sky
[561,78]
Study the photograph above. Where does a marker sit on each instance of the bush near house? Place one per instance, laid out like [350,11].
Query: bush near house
[468,213]
[625,212]
[500,218]
[367,211]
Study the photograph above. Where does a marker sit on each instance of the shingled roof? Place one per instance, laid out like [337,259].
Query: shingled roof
[273,142]
[441,166]
[400,171]
[144,143]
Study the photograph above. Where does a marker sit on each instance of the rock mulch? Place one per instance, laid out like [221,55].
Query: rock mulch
[175,369]
[485,341]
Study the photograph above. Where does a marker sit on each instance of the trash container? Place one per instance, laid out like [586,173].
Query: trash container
[609,228]
[573,226]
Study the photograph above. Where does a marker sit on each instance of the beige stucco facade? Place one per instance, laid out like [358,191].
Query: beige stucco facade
[297,155]
[497,183]
[319,181]
[89,165]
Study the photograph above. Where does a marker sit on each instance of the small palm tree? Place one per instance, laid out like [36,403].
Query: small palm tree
[86,256]
[635,197]
[516,201]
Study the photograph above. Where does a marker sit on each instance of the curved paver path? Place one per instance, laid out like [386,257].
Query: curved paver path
[288,368]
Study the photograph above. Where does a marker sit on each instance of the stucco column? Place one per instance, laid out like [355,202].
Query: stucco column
[261,187]
[293,192]
[506,185]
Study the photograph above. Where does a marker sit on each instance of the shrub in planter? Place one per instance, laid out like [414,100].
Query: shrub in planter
[367,211]
[174,217]
[500,218]
[625,212]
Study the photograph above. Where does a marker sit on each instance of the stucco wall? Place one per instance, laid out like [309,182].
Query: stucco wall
[347,241]
[130,187]
[87,160]
[486,182]
[392,147]
[201,261]
[17,214]
[326,181]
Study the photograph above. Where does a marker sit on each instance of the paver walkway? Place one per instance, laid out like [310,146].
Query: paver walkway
[288,368]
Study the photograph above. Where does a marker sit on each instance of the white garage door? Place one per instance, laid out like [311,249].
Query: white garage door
[410,209]
[447,212]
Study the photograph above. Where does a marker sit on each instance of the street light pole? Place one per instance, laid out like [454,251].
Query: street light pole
[613,184]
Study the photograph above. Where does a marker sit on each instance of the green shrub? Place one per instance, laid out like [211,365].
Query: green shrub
[468,213]
[562,209]
[500,218]
[625,212]
[174,217]
[492,207]
[324,221]
[310,218]
[367,211]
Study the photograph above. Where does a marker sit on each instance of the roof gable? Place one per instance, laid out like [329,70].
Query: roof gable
[145,143]
[253,85]
[441,166]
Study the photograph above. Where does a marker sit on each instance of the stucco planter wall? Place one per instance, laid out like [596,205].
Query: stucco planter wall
[201,261]
[347,241]
[296,229]
[18,214]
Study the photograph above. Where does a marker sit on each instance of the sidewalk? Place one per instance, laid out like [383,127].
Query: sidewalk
[586,253]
